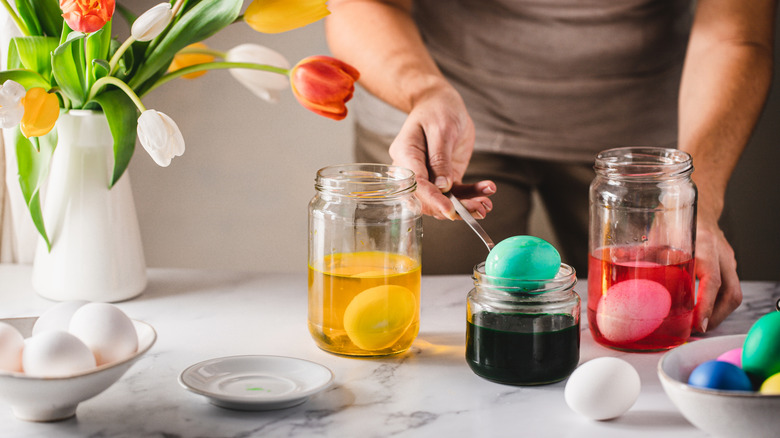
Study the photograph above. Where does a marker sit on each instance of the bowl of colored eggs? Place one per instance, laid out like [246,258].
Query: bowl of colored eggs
[71,353]
[728,385]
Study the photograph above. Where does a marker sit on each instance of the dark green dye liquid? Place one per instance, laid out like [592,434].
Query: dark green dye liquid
[523,349]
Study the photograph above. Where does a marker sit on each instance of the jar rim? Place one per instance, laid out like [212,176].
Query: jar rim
[365,180]
[564,280]
[643,162]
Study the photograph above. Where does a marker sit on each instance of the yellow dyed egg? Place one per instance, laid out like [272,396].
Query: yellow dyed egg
[771,386]
[377,317]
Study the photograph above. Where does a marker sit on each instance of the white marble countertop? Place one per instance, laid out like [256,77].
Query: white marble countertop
[428,392]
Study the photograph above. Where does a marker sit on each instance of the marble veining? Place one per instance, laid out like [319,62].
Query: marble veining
[428,391]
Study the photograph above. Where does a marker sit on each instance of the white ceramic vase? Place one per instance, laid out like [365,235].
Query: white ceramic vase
[96,251]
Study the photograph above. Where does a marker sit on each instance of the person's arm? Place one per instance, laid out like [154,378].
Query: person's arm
[382,41]
[725,81]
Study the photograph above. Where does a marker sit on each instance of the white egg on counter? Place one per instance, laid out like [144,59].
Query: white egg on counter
[11,346]
[56,353]
[106,330]
[603,388]
[57,317]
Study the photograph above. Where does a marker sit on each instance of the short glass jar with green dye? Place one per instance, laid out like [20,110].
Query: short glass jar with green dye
[523,332]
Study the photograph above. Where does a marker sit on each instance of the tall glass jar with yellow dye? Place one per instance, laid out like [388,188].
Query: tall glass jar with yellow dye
[365,235]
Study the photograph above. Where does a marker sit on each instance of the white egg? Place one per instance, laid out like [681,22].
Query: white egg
[56,353]
[11,346]
[603,388]
[106,330]
[57,317]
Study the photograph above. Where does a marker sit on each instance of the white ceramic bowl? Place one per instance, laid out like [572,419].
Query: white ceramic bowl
[56,398]
[719,413]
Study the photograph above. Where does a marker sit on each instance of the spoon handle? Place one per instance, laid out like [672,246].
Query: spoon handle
[471,222]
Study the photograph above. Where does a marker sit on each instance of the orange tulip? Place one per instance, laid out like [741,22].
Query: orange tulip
[182,60]
[41,110]
[87,15]
[324,85]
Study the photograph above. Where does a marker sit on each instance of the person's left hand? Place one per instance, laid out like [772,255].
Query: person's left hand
[719,290]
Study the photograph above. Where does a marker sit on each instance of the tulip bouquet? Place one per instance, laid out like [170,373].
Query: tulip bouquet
[68,59]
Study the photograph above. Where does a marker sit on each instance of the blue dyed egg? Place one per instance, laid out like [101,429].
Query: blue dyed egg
[715,374]
[523,258]
[761,351]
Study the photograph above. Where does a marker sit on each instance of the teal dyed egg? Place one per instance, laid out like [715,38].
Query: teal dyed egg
[761,351]
[523,258]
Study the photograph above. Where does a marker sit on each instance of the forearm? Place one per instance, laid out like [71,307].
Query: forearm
[382,41]
[727,74]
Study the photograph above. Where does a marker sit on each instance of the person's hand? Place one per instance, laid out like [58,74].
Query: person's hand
[716,268]
[436,142]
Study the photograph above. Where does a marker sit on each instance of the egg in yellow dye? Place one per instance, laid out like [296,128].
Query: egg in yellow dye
[378,317]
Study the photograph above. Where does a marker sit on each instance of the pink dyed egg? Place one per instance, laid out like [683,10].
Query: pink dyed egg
[632,309]
[732,356]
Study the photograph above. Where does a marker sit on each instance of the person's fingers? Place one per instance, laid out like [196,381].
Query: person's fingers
[481,188]
[479,207]
[719,290]
[434,203]
[729,295]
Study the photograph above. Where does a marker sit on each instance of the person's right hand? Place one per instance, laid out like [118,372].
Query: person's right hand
[436,142]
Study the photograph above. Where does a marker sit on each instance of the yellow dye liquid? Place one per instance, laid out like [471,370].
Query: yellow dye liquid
[364,303]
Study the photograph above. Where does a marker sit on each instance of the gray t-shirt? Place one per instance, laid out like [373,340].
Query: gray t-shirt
[555,79]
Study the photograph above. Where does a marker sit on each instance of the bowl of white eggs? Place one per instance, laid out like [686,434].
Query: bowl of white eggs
[71,353]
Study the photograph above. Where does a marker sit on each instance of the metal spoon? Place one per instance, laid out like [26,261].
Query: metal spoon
[471,222]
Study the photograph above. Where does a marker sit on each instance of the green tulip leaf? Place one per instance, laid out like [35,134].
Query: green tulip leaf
[127,61]
[25,10]
[27,79]
[33,167]
[197,23]
[100,69]
[49,16]
[34,53]
[122,119]
[96,46]
[67,62]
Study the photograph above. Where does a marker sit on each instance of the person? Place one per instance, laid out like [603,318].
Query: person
[491,99]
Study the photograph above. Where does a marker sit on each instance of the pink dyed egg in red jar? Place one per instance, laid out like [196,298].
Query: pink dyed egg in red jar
[641,262]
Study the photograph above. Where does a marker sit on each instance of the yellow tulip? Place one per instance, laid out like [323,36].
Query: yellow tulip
[182,60]
[276,16]
[41,110]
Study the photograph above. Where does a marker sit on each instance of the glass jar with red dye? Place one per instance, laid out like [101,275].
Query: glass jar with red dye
[642,237]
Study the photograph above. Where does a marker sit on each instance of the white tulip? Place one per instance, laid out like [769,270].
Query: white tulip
[152,22]
[11,108]
[160,136]
[265,85]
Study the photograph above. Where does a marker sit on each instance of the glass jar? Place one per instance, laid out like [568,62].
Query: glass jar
[521,332]
[365,233]
[642,235]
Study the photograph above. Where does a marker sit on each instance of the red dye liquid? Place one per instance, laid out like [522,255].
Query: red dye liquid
[642,327]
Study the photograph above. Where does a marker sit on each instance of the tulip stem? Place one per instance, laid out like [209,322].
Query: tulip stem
[110,80]
[215,66]
[176,7]
[14,16]
[202,51]
[119,52]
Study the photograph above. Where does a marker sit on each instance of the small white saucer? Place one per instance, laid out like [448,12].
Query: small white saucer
[256,383]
